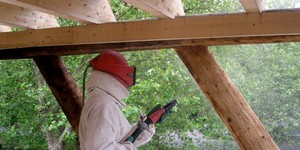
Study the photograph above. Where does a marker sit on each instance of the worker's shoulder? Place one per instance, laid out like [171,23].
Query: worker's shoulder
[105,100]
[108,103]
[106,108]
[98,100]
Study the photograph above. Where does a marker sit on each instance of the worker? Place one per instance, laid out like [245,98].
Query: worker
[102,124]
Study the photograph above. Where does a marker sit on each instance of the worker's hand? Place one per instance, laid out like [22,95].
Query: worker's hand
[145,136]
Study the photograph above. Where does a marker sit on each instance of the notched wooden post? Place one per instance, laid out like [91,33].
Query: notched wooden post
[235,112]
[63,86]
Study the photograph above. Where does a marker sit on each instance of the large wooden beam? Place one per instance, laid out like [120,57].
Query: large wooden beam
[20,53]
[226,99]
[22,17]
[252,6]
[159,8]
[88,11]
[63,87]
[193,27]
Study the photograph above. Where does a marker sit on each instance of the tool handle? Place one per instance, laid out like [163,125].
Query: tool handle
[170,105]
[152,117]
[134,135]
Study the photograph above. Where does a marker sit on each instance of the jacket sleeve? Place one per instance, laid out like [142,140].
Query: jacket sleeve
[104,136]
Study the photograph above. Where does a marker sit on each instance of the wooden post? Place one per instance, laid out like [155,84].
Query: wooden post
[63,87]
[237,115]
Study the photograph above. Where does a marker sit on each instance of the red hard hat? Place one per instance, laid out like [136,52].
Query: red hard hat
[114,63]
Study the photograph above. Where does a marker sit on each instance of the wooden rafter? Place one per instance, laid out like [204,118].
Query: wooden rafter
[252,6]
[22,17]
[183,28]
[159,8]
[89,11]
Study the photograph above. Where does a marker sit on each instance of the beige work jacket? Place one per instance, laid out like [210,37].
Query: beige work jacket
[102,123]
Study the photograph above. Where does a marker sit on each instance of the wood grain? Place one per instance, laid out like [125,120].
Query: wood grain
[235,112]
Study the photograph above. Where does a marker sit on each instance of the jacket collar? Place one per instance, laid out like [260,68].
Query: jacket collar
[108,84]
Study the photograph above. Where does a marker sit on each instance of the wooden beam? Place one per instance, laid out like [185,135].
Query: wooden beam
[22,17]
[159,8]
[226,99]
[4,28]
[19,53]
[63,87]
[194,27]
[88,11]
[252,6]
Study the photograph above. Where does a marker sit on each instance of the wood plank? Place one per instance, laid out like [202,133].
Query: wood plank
[88,11]
[226,99]
[159,8]
[193,27]
[252,6]
[20,53]
[63,86]
[22,17]
[4,28]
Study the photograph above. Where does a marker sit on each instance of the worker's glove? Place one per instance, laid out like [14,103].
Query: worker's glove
[148,132]
[145,136]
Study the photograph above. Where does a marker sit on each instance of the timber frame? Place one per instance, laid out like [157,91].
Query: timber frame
[44,41]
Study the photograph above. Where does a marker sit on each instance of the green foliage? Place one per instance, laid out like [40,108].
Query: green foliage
[282,4]
[66,22]
[16,29]
[18,101]
[211,6]
[27,111]
[124,11]
[268,76]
